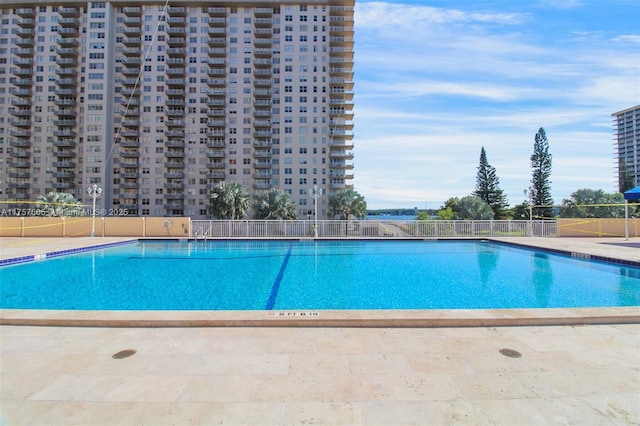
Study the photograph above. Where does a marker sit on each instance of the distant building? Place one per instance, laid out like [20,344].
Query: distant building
[627,135]
[157,105]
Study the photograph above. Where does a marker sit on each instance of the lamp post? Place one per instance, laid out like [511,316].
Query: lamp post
[315,193]
[529,192]
[94,192]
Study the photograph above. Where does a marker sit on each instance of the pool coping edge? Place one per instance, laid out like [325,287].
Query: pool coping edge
[325,318]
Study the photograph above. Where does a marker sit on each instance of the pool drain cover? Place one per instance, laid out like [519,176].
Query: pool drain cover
[510,353]
[123,354]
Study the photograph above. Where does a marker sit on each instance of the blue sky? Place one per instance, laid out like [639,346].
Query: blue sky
[437,80]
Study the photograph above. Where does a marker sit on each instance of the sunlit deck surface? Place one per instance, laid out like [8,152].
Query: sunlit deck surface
[561,366]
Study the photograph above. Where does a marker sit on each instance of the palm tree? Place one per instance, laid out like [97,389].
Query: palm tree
[229,200]
[347,203]
[275,204]
[58,204]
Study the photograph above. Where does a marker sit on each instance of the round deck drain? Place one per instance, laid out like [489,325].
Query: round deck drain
[123,354]
[510,353]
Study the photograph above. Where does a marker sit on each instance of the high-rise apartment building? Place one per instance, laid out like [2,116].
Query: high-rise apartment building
[627,136]
[157,103]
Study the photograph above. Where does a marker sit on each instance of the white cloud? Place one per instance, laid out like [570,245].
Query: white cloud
[429,95]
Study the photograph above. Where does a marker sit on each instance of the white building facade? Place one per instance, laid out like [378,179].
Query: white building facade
[158,103]
[627,144]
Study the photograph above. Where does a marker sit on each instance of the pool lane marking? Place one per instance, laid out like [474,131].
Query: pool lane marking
[276,284]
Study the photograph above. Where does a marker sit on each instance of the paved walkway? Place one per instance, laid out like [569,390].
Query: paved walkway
[583,375]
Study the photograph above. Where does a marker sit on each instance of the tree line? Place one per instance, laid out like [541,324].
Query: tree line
[488,201]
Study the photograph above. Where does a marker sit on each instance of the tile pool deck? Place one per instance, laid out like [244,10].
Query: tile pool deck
[374,368]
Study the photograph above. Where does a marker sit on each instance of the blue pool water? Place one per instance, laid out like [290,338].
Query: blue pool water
[250,275]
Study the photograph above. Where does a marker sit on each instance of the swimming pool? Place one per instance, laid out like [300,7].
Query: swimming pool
[276,275]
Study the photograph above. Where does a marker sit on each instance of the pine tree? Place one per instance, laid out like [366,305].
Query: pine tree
[487,187]
[541,171]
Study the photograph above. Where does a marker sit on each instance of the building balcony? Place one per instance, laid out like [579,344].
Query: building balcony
[261,154]
[174,196]
[262,144]
[174,206]
[68,12]
[23,82]
[20,153]
[217,11]
[132,21]
[68,32]
[130,154]
[132,41]
[68,22]
[174,175]
[22,72]
[19,185]
[20,122]
[132,31]
[130,122]
[26,12]
[130,71]
[216,82]
[174,113]
[20,164]
[216,143]
[20,175]
[217,51]
[130,143]
[174,164]
[20,112]
[22,133]
[23,62]
[179,133]
[64,164]
[262,52]
[216,102]
[215,175]
[131,51]
[176,82]
[130,133]
[129,175]
[262,33]
[21,102]
[217,22]
[65,91]
[216,41]
[132,11]
[66,102]
[67,42]
[65,82]
[64,174]
[65,112]
[177,11]
[64,154]
[342,146]
[174,123]
[26,22]
[215,154]
[217,62]
[176,41]
[262,12]
[215,123]
[65,123]
[215,165]
[25,42]
[174,154]
[176,72]
[174,144]
[217,32]
[216,113]
[64,185]
[67,133]
[24,52]
[129,185]
[66,72]
[174,185]
[262,175]
[263,22]
[262,164]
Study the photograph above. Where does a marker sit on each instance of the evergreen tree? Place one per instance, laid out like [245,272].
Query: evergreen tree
[488,189]
[541,171]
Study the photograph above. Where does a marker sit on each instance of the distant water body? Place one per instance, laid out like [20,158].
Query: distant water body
[404,218]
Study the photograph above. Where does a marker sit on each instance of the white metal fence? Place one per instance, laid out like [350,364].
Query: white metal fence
[371,228]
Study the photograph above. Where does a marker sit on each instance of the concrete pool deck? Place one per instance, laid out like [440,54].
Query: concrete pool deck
[400,373]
